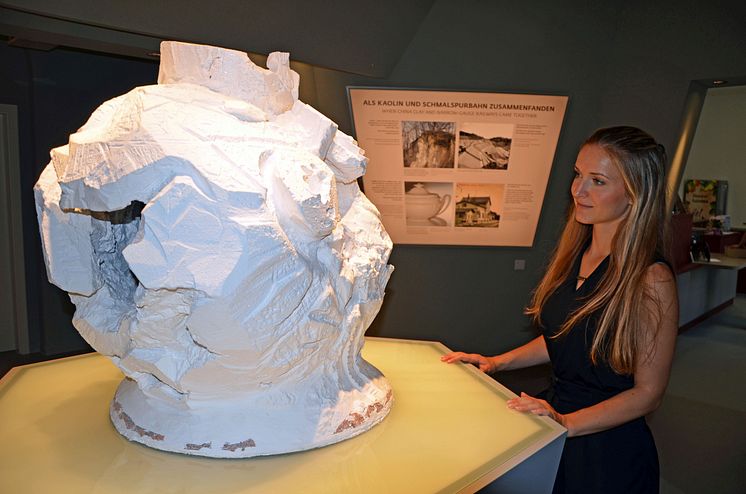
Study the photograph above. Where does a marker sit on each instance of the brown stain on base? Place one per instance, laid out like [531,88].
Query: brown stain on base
[131,425]
[232,447]
[197,447]
[355,419]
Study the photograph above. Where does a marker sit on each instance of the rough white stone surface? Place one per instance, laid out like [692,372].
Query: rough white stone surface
[212,235]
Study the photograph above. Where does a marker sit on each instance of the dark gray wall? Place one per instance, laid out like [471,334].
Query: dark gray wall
[622,62]
[471,298]
[661,46]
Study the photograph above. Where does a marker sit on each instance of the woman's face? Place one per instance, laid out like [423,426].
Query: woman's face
[598,189]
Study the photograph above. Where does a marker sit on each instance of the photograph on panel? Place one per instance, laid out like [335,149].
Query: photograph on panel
[429,144]
[428,203]
[484,146]
[479,205]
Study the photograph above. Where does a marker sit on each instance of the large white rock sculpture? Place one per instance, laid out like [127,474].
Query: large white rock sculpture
[212,235]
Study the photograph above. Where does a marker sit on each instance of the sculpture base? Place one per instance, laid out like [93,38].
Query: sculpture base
[241,429]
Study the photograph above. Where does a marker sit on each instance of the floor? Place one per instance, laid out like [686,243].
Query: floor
[700,428]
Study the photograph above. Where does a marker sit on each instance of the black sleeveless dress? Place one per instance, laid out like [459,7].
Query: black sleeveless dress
[619,460]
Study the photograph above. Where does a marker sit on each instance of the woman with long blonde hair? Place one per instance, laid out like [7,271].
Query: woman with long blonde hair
[608,312]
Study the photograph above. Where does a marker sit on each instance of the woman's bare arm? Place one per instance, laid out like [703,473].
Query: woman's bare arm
[532,353]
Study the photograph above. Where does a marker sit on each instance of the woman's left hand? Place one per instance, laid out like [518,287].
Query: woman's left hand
[537,406]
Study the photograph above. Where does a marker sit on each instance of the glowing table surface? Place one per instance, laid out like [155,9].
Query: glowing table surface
[448,431]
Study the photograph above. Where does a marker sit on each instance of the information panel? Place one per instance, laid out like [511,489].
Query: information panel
[457,168]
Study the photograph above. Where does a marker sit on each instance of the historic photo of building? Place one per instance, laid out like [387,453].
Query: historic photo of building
[428,144]
[478,205]
[484,145]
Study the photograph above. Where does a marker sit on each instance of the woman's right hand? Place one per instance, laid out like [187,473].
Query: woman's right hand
[487,365]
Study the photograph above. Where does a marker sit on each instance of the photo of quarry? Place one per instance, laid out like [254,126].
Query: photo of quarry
[477,205]
[484,146]
[428,144]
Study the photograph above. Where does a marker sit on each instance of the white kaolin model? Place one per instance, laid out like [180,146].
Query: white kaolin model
[212,235]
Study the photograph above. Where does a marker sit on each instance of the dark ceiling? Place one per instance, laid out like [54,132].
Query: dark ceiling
[362,37]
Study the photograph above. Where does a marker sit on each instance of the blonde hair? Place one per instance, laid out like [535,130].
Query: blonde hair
[622,299]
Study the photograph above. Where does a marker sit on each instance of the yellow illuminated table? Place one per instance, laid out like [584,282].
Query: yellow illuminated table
[448,431]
